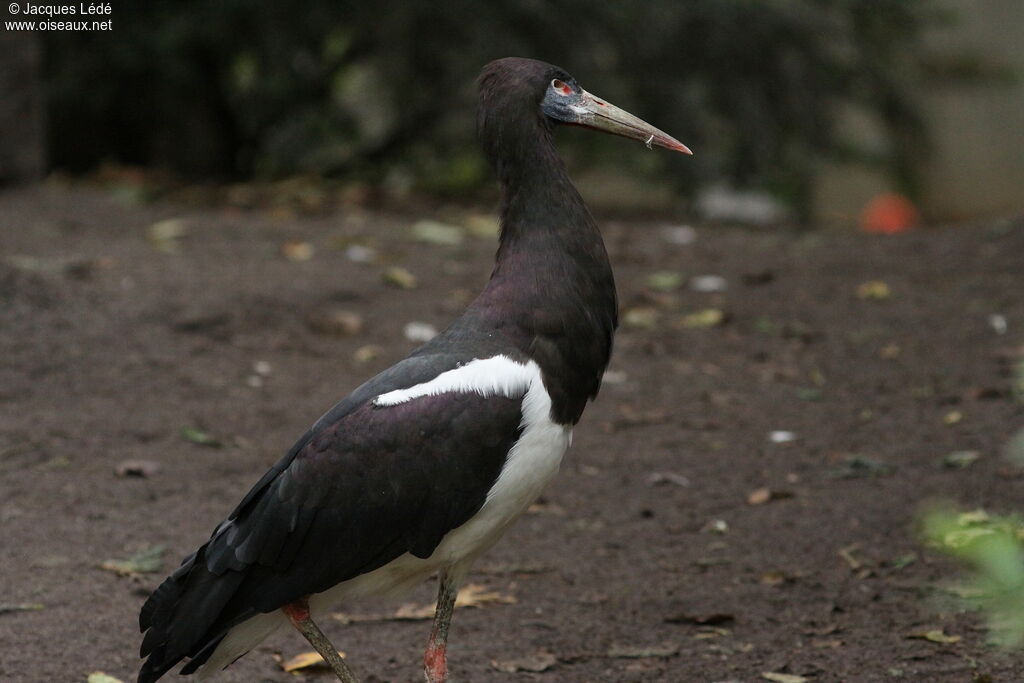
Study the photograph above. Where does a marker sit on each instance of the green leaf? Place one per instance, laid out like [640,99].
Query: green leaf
[961,459]
[146,561]
[665,280]
[200,437]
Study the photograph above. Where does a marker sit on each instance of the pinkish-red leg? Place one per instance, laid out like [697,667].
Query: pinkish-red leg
[435,661]
[298,614]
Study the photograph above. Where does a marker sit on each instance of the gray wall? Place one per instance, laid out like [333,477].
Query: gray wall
[976,166]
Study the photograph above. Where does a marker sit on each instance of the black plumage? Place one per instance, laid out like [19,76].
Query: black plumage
[368,483]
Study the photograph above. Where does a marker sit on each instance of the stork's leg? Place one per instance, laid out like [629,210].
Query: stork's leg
[435,661]
[298,613]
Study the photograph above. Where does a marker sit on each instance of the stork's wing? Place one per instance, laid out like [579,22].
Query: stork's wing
[366,485]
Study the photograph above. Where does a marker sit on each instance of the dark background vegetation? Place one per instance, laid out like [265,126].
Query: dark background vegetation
[242,89]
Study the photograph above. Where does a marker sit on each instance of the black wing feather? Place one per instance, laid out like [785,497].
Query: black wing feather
[365,485]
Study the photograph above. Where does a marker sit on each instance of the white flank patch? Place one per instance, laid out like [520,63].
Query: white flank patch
[531,463]
[496,376]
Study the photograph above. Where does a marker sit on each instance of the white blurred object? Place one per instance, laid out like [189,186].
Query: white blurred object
[614,377]
[419,332]
[679,234]
[357,253]
[781,436]
[998,323]
[720,203]
[709,283]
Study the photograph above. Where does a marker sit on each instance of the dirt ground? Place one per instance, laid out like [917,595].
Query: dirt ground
[113,344]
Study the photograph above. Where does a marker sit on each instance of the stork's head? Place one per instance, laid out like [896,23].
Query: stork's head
[515,87]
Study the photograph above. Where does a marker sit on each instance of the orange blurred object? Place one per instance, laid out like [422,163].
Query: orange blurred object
[888,214]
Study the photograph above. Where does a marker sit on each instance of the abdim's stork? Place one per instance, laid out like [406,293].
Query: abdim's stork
[423,467]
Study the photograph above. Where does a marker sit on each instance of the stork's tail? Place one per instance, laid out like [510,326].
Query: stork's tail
[182,618]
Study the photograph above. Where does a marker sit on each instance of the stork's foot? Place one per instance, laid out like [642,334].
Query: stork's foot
[435,664]
[435,660]
[298,614]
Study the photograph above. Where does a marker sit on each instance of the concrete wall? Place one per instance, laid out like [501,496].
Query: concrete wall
[976,166]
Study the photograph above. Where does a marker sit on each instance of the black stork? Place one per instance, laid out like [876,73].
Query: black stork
[424,466]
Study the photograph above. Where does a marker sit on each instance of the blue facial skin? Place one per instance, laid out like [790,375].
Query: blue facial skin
[558,105]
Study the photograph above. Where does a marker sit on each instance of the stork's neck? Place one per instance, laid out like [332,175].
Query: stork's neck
[543,217]
[551,292]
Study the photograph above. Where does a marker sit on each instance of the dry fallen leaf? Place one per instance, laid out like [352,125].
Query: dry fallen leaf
[541,661]
[482,226]
[643,317]
[641,652]
[305,660]
[657,478]
[776,577]
[847,553]
[8,607]
[433,232]
[396,276]
[100,677]
[783,678]
[335,321]
[874,289]
[889,351]
[297,251]
[766,495]
[367,353]
[710,632]
[165,235]
[137,468]
[709,317]
[477,595]
[759,496]
[470,595]
[935,636]
[145,561]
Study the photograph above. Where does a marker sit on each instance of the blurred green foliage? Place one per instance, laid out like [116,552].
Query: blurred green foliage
[993,547]
[266,89]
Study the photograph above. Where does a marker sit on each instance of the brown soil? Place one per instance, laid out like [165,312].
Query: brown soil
[110,347]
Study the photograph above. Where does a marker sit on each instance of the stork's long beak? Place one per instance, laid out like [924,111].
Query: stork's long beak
[593,112]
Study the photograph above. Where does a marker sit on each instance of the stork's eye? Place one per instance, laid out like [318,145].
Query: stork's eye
[561,87]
